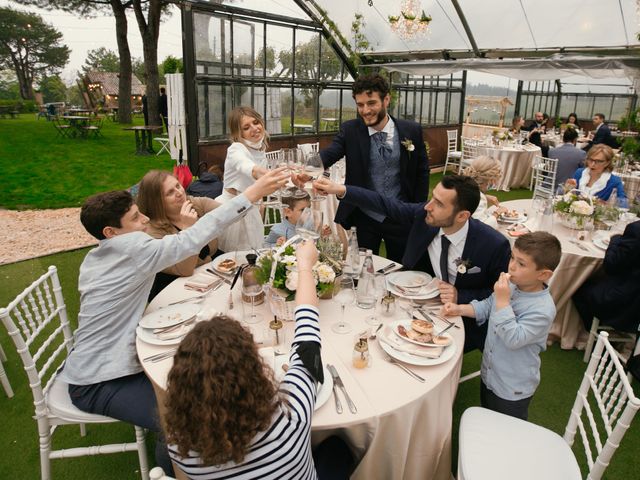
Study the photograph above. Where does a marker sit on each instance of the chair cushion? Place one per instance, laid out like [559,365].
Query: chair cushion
[496,446]
[60,405]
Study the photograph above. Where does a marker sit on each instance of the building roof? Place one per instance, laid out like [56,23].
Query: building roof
[109,82]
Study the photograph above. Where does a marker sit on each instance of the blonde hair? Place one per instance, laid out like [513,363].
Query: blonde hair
[150,199]
[484,170]
[606,150]
[235,124]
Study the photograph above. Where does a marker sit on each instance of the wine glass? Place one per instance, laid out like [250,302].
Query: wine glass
[314,168]
[252,291]
[274,162]
[344,294]
[309,225]
[379,285]
[296,161]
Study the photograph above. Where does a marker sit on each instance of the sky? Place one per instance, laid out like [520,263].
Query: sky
[82,35]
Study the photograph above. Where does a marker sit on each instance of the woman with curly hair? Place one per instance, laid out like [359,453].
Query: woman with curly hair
[170,210]
[227,418]
[486,171]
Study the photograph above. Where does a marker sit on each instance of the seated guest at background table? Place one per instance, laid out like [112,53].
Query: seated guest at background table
[519,313]
[162,199]
[444,241]
[245,162]
[601,135]
[572,119]
[103,371]
[384,154]
[517,124]
[226,415]
[613,295]
[536,129]
[597,179]
[570,158]
[486,171]
[209,183]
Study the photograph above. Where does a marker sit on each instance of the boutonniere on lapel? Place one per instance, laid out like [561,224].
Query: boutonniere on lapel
[408,144]
[462,265]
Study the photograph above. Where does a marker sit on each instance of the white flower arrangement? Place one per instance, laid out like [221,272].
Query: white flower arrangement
[408,144]
[581,207]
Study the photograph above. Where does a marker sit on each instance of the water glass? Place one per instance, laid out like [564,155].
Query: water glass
[344,294]
[380,290]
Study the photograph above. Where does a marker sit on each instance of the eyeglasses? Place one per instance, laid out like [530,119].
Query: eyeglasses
[599,162]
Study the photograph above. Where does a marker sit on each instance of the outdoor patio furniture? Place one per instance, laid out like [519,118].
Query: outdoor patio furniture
[37,322]
[3,375]
[144,136]
[454,156]
[63,129]
[93,128]
[164,145]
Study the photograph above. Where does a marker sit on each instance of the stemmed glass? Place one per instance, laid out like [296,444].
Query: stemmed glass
[379,285]
[344,294]
[314,168]
[296,161]
[252,291]
[309,225]
[272,164]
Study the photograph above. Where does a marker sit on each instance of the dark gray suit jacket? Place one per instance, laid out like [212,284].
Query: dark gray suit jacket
[570,158]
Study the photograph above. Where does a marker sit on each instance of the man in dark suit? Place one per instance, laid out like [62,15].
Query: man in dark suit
[570,158]
[444,241]
[163,108]
[602,133]
[614,295]
[383,154]
[536,129]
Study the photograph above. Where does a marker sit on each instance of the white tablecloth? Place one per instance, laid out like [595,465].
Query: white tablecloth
[575,267]
[516,164]
[402,429]
[631,184]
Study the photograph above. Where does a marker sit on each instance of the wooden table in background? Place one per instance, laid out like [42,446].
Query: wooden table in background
[144,137]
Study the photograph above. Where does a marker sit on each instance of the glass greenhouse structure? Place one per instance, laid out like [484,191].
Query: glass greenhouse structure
[295,60]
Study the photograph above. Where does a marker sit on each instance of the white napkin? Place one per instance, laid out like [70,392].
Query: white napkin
[201,282]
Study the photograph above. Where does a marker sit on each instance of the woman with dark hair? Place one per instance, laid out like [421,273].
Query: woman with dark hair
[572,119]
[162,199]
[244,164]
[226,417]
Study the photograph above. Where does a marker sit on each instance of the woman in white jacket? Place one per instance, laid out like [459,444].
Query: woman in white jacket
[245,163]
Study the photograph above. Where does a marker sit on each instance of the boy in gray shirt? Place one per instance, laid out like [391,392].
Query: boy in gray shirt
[520,313]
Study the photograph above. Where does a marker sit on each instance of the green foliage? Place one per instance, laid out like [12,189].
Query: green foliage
[631,147]
[270,58]
[22,106]
[630,121]
[171,64]
[53,89]
[138,69]
[101,60]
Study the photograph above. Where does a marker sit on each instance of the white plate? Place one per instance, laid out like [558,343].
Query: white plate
[419,295]
[324,389]
[447,354]
[240,257]
[518,219]
[147,336]
[170,315]
[407,324]
[600,243]
[410,280]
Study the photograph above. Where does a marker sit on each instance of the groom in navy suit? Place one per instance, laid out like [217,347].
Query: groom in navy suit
[444,241]
[383,154]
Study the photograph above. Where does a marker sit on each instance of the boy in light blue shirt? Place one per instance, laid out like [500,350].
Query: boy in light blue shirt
[520,313]
[292,210]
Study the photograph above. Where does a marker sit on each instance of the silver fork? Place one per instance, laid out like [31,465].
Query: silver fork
[393,361]
[160,356]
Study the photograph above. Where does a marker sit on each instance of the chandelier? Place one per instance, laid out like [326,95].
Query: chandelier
[410,25]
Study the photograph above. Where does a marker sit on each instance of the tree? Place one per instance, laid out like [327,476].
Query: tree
[53,89]
[101,59]
[9,88]
[138,69]
[30,47]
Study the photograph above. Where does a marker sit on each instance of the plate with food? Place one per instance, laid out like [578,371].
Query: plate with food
[227,263]
[397,348]
[169,316]
[423,291]
[512,216]
[420,332]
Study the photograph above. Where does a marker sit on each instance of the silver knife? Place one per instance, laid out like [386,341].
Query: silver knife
[433,315]
[579,245]
[335,393]
[387,268]
[219,275]
[444,330]
[338,381]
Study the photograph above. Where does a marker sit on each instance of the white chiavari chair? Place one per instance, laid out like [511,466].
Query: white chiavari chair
[454,156]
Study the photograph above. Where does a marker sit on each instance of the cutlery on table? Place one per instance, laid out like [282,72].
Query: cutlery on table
[219,275]
[393,361]
[445,329]
[579,245]
[160,356]
[391,266]
[374,335]
[335,393]
[176,326]
[195,299]
[338,381]
[437,316]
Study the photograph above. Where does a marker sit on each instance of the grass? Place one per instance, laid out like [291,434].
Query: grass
[40,169]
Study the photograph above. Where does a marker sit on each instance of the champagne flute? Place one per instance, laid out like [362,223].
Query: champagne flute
[252,291]
[276,162]
[296,161]
[344,294]
[380,290]
[309,225]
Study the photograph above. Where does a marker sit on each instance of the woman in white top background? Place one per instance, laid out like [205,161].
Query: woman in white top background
[244,164]
[486,171]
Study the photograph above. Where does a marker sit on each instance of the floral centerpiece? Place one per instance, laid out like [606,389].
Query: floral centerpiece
[285,277]
[576,210]
[502,136]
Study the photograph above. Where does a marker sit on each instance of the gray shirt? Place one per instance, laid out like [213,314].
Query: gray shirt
[114,283]
[570,158]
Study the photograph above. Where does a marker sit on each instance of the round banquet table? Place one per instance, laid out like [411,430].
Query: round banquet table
[402,428]
[576,266]
[631,182]
[516,163]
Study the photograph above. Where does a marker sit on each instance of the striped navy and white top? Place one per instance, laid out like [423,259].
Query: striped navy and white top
[283,451]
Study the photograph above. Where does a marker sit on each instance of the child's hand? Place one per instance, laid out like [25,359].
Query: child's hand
[450,310]
[502,291]
[280,241]
[326,230]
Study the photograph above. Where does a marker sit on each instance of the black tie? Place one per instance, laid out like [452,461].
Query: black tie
[444,258]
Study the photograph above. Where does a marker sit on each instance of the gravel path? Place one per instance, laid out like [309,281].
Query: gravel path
[34,233]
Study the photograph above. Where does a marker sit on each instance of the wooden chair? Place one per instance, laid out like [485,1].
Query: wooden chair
[36,321]
[3,375]
[496,446]
[454,156]
[63,129]
[94,127]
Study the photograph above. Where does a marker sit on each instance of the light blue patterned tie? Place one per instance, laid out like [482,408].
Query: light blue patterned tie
[380,140]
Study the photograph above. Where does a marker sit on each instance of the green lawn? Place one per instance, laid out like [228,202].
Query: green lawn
[40,169]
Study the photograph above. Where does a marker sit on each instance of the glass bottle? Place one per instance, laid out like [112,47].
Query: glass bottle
[352,260]
[361,357]
[366,295]
[252,291]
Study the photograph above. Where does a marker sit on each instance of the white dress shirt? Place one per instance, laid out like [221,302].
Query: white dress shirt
[456,248]
[389,129]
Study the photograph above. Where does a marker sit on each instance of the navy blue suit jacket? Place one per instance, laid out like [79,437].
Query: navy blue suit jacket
[484,247]
[603,135]
[353,141]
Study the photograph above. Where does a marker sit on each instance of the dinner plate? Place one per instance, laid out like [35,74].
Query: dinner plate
[240,257]
[601,243]
[170,315]
[324,389]
[422,294]
[410,279]
[520,218]
[147,336]
[405,357]
[407,324]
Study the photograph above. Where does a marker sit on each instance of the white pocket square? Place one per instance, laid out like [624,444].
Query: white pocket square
[474,270]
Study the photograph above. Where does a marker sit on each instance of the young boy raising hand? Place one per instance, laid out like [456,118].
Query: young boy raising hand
[520,313]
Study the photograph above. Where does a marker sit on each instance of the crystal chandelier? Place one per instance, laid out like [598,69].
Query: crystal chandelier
[410,25]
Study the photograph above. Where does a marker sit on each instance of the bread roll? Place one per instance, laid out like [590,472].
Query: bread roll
[421,326]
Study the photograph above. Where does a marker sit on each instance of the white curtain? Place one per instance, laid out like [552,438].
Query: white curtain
[177,121]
